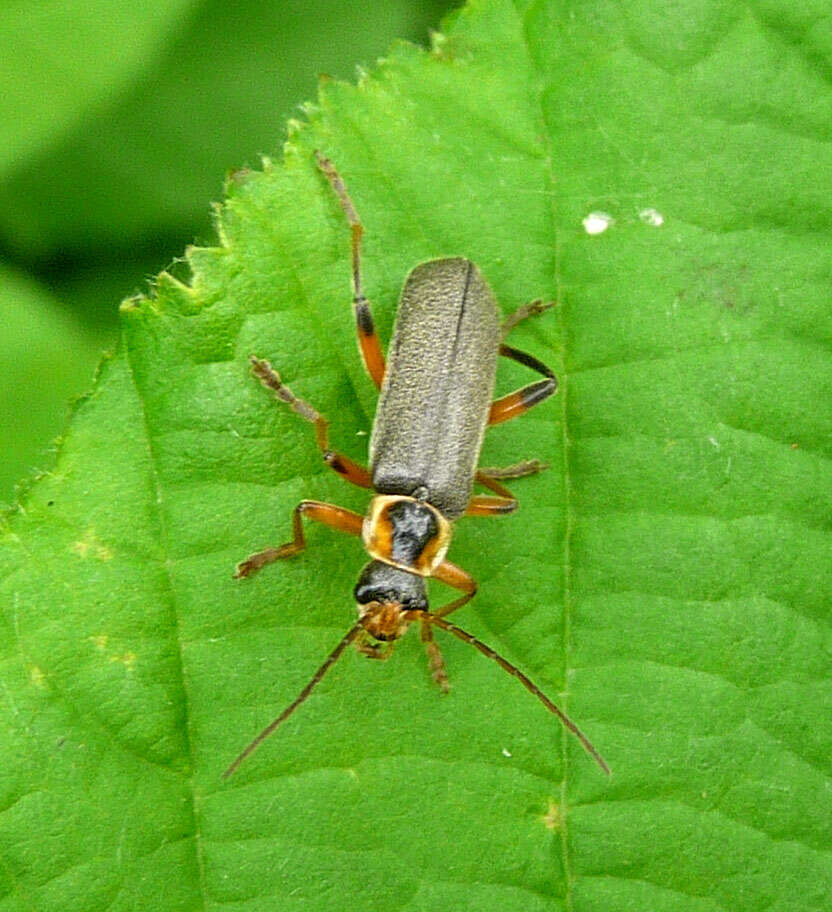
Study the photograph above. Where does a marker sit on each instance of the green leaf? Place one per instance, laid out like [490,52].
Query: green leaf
[667,579]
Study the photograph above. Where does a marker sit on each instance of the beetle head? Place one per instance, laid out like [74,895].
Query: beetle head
[383,594]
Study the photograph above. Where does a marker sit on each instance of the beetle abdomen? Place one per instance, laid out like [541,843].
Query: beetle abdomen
[438,386]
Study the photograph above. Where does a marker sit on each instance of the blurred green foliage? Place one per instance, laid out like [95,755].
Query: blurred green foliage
[118,123]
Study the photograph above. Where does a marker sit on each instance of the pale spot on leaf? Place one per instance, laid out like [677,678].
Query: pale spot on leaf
[128,659]
[651,217]
[597,222]
[89,546]
[553,819]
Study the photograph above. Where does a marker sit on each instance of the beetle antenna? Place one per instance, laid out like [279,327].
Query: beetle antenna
[332,658]
[515,672]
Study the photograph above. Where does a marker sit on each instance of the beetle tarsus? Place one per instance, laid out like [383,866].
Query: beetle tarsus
[532,309]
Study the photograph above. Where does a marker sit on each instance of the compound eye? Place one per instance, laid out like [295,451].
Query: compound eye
[365,593]
[414,603]
[367,588]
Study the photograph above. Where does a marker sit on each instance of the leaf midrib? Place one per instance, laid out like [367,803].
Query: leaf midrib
[568,511]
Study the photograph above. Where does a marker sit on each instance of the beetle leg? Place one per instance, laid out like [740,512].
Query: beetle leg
[483,505]
[335,517]
[368,341]
[456,577]
[522,400]
[532,309]
[374,650]
[505,502]
[451,575]
[435,660]
[518,470]
[348,469]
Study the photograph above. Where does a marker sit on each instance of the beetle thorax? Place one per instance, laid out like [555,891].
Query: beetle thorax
[407,533]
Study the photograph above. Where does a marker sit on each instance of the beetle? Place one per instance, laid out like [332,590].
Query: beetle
[435,404]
